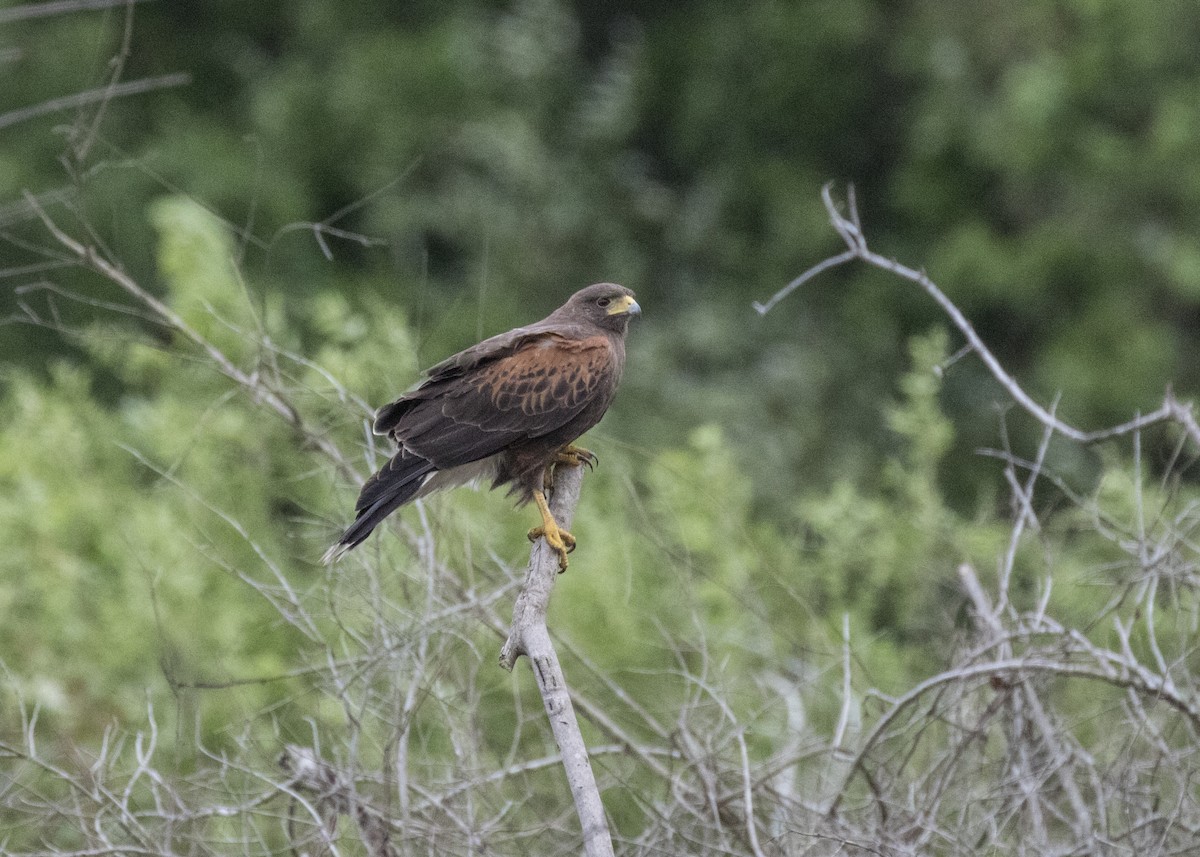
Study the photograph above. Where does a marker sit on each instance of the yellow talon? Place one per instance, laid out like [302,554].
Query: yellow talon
[569,456]
[559,540]
[574,456]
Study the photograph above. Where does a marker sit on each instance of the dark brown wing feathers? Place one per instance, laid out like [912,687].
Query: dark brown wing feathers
[519,396]
[540,387]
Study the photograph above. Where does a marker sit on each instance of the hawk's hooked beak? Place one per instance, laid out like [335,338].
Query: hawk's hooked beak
[624,305]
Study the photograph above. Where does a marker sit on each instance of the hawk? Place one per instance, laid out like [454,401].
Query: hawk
[508,410]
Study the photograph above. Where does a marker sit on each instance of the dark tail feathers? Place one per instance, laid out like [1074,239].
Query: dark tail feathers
[395,484]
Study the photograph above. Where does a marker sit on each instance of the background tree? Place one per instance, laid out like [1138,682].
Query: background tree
[790,533]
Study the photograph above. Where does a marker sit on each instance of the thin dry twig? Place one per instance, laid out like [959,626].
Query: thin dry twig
[93,96]
[254,383]
[47,9]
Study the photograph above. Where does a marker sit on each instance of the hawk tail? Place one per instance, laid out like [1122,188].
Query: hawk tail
[395,484]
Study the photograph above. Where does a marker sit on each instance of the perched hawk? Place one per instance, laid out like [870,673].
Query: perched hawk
[507,410]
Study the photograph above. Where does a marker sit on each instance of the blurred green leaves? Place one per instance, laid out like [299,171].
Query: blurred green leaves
[478,161]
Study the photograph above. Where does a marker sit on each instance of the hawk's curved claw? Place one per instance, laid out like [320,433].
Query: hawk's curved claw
[574,456]
[569,456]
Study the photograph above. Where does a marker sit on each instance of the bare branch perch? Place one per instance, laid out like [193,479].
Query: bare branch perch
[529,636]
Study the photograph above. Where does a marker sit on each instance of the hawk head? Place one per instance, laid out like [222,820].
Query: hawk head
[605,305]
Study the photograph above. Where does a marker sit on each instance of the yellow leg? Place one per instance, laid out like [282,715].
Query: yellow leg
[559,540]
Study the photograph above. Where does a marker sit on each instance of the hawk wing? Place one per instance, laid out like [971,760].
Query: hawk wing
[476,404]
[502,408]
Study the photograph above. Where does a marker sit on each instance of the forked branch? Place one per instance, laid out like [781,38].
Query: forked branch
[849,227]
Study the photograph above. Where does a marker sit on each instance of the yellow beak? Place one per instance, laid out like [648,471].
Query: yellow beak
[624,305]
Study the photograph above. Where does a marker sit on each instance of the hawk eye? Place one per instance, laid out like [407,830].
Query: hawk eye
[603,302]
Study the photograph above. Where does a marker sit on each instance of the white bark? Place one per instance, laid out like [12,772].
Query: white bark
[530,636]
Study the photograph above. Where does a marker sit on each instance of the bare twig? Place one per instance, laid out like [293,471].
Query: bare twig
[253,383]
[839,732]
[1023,497]
[57,7]
[849,228]
[93,96]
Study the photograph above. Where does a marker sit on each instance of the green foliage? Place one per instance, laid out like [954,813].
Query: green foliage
[104,560]
[345,193]
[886,553]
[1064,121]
[121,515]
[1038,165]
[196,260]
[690,510]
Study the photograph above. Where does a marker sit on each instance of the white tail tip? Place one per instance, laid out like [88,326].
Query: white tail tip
[334,553]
